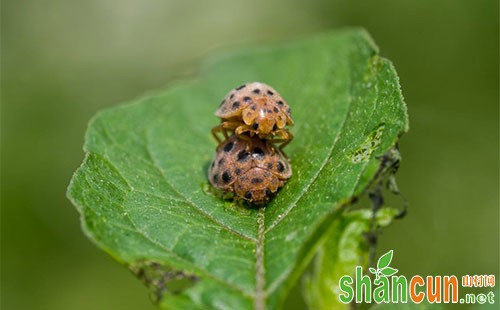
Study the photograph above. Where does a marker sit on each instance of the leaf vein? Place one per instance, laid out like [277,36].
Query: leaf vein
[159,245]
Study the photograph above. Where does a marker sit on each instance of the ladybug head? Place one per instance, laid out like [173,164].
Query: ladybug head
[260,117]
[263,124]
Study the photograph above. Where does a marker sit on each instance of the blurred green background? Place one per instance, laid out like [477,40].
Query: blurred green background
[63,60]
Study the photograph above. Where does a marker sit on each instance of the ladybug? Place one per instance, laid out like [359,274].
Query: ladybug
[255,109]
[253,175]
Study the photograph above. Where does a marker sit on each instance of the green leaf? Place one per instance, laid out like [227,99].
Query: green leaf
[343,248]
[140,189]
[384,260]
[388,271]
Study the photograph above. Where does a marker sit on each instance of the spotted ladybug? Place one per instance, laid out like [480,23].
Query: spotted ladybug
[253,175]
[255,109]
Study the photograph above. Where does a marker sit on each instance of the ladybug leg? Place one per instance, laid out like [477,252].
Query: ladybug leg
[216,130]
[246,138]
[242,129]
[244,132]
[285,138]
[270,145]
[229,126]
[224,127]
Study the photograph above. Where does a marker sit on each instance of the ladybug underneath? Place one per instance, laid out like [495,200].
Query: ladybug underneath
[253,175]
[255,109]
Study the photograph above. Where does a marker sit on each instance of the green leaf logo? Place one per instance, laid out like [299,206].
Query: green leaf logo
[388,271]
[383,269]
[384,260]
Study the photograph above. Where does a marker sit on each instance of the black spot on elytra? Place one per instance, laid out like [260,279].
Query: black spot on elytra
[248,195]
[228,147]
[237,171]
[256,91]
[268,192]
[213,164]
[215,178]
[247,99]
[231,97]
[270,93]
[242,156]
[289,111]
[241,87]
[222,102]
[257,151]
[221,162]
[226,177]
[270,166]
[255,126]
[253,107]
[275,127]
[269,111]
[276,110]
[256,180]
[236,105]
[280,166]
[280,103]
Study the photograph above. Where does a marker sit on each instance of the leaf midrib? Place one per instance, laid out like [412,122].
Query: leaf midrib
[282,278]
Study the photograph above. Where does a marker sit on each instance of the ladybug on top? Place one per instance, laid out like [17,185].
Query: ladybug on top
[255,109]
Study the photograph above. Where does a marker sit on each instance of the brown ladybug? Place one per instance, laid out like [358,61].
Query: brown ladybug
[254,174]
[255,109]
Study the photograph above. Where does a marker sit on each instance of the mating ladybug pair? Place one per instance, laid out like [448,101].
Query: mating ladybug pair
[248,163]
